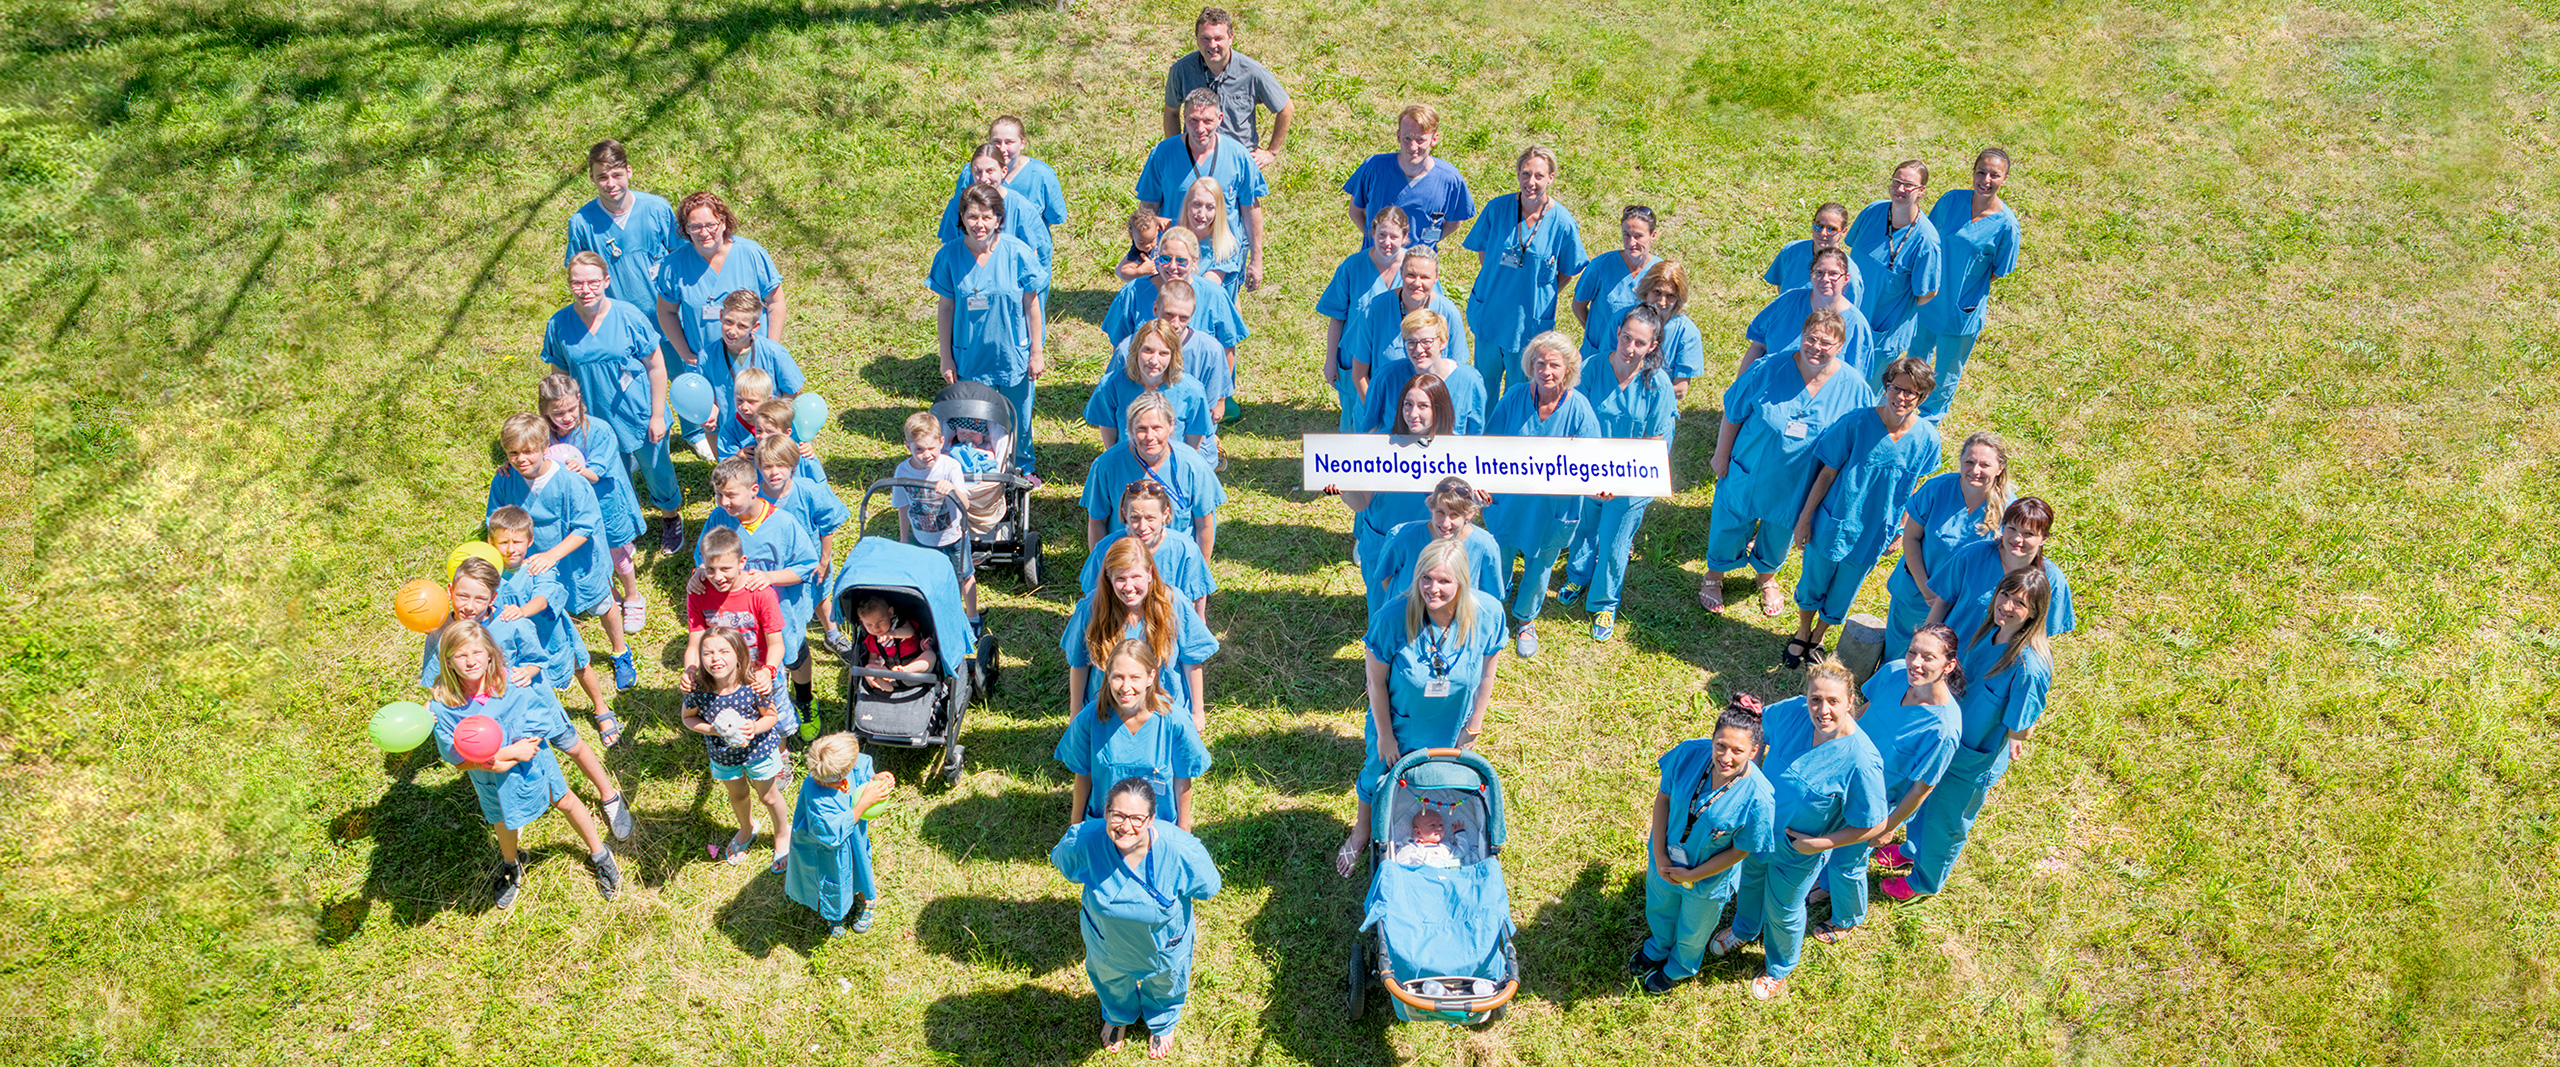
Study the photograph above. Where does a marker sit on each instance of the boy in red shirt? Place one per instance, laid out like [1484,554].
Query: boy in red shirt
[725,601]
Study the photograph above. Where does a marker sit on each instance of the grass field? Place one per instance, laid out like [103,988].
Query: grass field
[2278,349]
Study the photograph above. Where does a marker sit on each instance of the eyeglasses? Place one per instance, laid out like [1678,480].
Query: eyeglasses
[1637,211]
[1167,261]
[705,227]
[1824,227]
[1896,390]
[1128,818]
[1831,274]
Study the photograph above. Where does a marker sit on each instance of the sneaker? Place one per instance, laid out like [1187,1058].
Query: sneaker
[617,816]
[635,615]
[835,929]
[625,673]
[1640,963]
[608,873]
[1571,592]
[1656,983]
[809,726]
[862,919]
[1526,644]
[670,534]
[837,642]
[702,448]
[502,889]
[1604,624]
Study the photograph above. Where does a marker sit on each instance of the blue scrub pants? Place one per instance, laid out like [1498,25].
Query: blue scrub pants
[1902,618]
[1019,395]
[1678,923]
[1601,547]
[1347,393]
[1529,593]
[1498,368]
[1945,819]
[1773,889]
[1828,589]
[1152,998]
[650,463]
[1948,351]
[1844,874]
[1369,550]
[1734,539]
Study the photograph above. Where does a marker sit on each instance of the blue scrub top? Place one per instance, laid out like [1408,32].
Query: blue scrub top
[1816,789]
[562,505]
[610,362]
[513,798]
[1022,222]
[1995,704]
[616,500]
[1346,297]
[1204,360]
[1611,290]
[990,333]
[1414,659]
[817,507]
[1381,337]
[1973,572]
[763,353]
[1742,815]
[688,282]
[1779,327]
[778,543]
[1971,252]
[1516,287]
[1945,526]
[1916,740]
[1904,264]
[1792,268]
[830,849]
[1684,349]
[518,645]
[1386,511]
[1193,644]
[1212,311]
[1178,564]
[1163,750]
[1389,377]
[1863,510]
[1524,519]
[563,649]
[1036,181]
[1642,407]
[1169,171]
[634,249]
[1772,459]
[1433,202]
[1135,921]
[1187,478]
[1486,574]
[1109,407]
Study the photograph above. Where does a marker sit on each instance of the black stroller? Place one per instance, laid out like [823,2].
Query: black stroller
[917,710]
[997,505]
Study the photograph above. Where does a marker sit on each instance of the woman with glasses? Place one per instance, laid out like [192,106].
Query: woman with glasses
[714,261]
[1608,285]
[1779,327]
[1894,243]
[1177,259]
[1140,875]
[1830,225]
[1869,463]
[1977,242]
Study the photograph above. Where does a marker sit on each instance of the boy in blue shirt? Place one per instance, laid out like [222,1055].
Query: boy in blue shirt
[780,554]
[1432,193]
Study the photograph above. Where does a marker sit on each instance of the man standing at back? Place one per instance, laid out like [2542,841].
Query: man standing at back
[1240,82]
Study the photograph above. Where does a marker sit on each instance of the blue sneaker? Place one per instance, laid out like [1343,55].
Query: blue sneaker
[1571,592]
[1526,644]
[625,675]
[1604,624]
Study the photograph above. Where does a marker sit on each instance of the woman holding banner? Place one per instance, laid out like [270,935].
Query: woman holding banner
[1423,411]
[1631,395]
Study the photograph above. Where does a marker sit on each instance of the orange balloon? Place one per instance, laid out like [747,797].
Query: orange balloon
[421,605]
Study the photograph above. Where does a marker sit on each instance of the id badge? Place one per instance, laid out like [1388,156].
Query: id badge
[711,311]
[1431,235]
[653,272]
[1679,856]
[626,381]
[1796,428]
[977,301]
[1435,688]
[1511,257]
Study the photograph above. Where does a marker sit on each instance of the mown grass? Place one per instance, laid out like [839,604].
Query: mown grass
[2278,350]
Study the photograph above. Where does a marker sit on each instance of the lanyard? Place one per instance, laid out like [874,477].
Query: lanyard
[1179,502]
[1435,646]
[1147,878]
[1527,232]
[1892,246]
[1700,800]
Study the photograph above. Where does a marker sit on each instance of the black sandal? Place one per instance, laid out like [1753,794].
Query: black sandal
[1796,653]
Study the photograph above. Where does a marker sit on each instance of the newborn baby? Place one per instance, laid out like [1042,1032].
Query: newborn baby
[1433,842]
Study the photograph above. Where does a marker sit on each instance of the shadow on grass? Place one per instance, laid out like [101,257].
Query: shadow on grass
[430,851]
[762,918]
[1302,761]
[1023,753]
[1017,825]
[1577,945]
[1030,937]
[1025,1026]
[1305,930]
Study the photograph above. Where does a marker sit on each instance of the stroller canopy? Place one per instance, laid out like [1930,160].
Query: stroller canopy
[882,561]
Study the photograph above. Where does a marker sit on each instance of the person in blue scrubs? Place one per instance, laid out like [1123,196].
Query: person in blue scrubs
[2009,667]
[740,350]
[1433,652]
[1826,790]
[1912,718]
[1894,243]
[522,780]
[599,460]
[1830,225]
[1977,242]
[1132,733]
[1454,510]
[1151,455]
[1665,287]
[1532,527]
[614,351]
[1136,602]
[630,231]
[567,523]
[1631,396]
[1345,303]
[1200,151]
[829,869]
[1964,585]
[780,552]
[1608,285]
[1204,213]
[1380,341]
[1154,365]
[1424,412]
[1177,260]
[987,290]
[714,262]
[1022,215]
[1869,464]
[1432,194]
[1764,459]
[1140,875]
[1204,359]
[1145,510]
[1946,513]
[1712,811]
[1528,249]
[1426,336]
[1034,179]
[1779,327]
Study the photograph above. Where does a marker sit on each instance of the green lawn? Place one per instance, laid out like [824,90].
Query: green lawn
[2278,349]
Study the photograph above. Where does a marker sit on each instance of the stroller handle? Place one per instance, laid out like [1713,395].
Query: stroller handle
[959,514]
[1470,1005]
[909,677]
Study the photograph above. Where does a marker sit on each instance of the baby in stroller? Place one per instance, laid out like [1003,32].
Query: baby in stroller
[891,643]
[1434,841]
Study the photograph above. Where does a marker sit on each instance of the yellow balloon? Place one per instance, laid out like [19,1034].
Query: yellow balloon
[468,549]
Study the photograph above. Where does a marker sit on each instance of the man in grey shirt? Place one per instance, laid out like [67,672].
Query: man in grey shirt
[1240,82]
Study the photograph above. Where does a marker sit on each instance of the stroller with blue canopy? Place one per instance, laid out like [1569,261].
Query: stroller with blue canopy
[1438,940]
[917,710]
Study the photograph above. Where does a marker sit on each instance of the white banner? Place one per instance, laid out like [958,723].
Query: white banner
[1547,466]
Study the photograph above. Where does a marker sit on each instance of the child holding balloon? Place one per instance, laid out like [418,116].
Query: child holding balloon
[566,524]
[742,726]
[476,595]
[829,870]
[781,415]
[501,736]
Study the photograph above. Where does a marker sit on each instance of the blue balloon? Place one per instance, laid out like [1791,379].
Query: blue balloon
[808,416]
[690,395]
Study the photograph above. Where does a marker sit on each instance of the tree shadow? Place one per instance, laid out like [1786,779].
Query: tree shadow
[1300,761]
[1304,931]
[1029,937]
[1026,754]
[762,918]
[1016,825]
[1025,1026]
[1577,945]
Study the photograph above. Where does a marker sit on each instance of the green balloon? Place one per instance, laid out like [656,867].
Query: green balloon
[401,726]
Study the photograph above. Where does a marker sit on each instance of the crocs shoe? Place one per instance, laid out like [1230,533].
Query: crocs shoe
[1898,887]
[625,673]
[1604,624]
[1891,856]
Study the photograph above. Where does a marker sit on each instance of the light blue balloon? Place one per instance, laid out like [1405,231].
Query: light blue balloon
[690,395]
[808,416]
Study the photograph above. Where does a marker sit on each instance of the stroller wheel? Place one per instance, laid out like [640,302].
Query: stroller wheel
[1031,558]
[951,764]
[1358,978]
[988,671]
